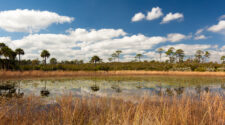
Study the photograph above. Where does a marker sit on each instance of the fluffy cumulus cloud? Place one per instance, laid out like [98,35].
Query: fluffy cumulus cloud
[176,37]
[5,39]
[138,17]
[73,45]
[29,20]
[155,13]
[95,35]
[170,16]
[200,37]
[83,44]
[218,27]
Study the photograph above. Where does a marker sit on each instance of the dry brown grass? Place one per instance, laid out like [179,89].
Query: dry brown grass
[208,110]
[35,74]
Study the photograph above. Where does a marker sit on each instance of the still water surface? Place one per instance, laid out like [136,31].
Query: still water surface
[124,86]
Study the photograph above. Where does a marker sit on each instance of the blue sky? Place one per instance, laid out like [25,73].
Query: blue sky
[113,16]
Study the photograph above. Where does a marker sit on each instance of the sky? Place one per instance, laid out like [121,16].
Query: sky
[80,29]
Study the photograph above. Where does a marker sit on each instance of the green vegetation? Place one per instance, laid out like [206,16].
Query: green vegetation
[19,52]
[45,54]
[177,62]
[139,57]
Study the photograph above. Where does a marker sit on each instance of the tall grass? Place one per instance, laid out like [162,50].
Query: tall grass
[29,74]
[205,110]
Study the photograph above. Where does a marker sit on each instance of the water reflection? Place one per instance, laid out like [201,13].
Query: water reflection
[10,90]
[169,91]
[44,92]
[206,89]
[95,88]
[139,85]
[198,89]
[116,88]
[179,91]
[108,88]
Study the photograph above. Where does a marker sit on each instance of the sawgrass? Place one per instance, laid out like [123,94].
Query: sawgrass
[66,110]
[30,74]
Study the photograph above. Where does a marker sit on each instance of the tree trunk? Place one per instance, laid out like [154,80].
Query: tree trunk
[160,56]
[19,59]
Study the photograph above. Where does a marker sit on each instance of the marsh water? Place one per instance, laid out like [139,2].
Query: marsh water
[116,86]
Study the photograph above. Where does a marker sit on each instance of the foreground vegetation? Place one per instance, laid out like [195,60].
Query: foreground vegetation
[177,61]
[207,109]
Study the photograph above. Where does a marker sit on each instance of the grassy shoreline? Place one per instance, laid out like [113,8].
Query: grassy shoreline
[207,110]
[44,74]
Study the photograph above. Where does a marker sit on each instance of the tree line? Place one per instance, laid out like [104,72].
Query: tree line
[176,58]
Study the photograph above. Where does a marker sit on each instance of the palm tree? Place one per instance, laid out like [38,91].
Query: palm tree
[8,53]
[160,51]
[95,59]
[139,57]
[180,54]
[118,52]
[45,54]
[19,52]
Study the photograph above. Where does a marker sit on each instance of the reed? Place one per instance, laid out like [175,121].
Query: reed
[205,110]
[30,74]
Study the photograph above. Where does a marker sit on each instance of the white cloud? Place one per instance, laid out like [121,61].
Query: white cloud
[138,17]
[95,35]
[170,16]
[29,20]
[223,48]
[189,49]
[176,37]
[153,55]
[76,44]
[199,37]
[199,31]
[218,27]
[5,39]
[83,44]
[155,13]
[216,55]
[222,17]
